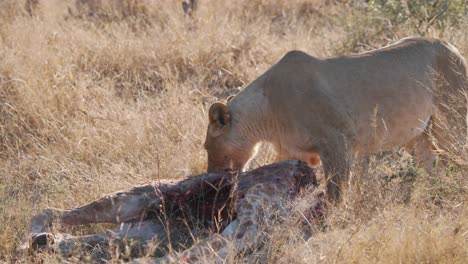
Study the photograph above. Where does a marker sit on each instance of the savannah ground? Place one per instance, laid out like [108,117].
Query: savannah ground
[98,100]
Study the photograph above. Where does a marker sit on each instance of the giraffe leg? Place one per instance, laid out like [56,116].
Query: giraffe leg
[230,230]
[116,208]
[138,231]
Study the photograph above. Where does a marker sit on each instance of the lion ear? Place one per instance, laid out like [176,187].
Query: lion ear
[219,119]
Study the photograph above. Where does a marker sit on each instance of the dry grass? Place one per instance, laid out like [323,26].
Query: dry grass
[93,104]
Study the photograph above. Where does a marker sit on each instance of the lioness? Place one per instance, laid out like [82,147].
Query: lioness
[316,109]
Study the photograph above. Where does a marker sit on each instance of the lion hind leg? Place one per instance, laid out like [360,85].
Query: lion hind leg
[423,151]
[450,134]
[450,119]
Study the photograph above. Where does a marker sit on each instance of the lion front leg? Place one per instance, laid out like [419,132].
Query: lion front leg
[336,155]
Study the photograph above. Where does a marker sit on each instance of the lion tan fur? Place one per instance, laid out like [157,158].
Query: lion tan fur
[316,109]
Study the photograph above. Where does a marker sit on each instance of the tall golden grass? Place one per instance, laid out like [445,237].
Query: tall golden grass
[97,98]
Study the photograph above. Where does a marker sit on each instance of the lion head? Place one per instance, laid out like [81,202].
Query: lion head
[226,151]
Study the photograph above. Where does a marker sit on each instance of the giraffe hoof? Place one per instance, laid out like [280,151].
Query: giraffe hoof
[41,241]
